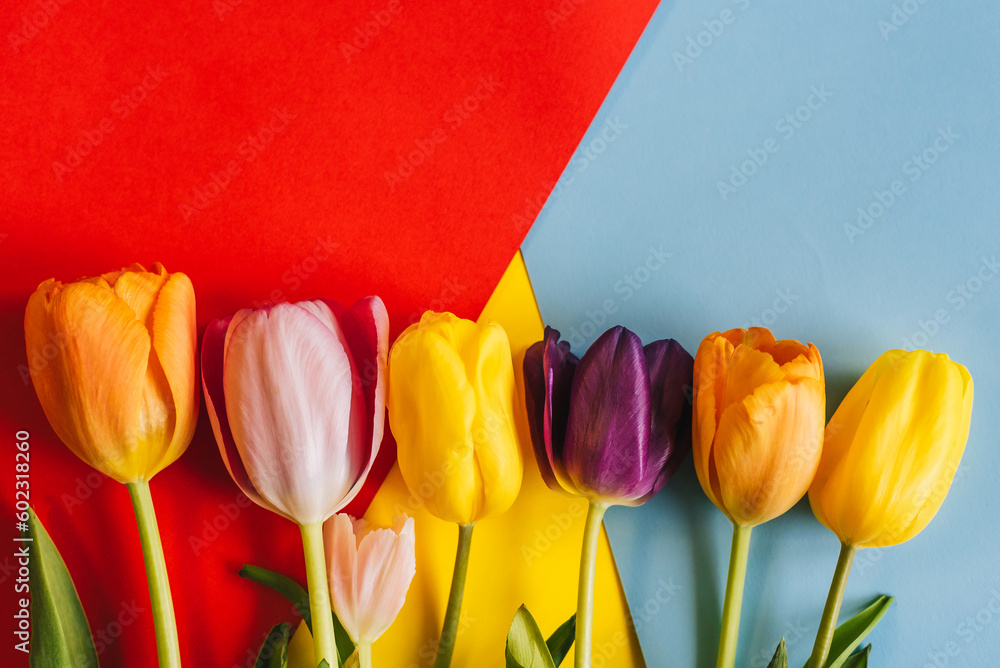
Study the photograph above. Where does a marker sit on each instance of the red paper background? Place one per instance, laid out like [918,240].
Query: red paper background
[161,98]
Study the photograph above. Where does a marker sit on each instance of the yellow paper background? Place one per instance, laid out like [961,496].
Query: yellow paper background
[529,555]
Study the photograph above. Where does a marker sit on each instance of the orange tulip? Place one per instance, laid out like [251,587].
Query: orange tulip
[112,359]
[759,412]
[757,433]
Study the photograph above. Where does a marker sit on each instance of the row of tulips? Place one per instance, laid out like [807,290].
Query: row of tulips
[297,397]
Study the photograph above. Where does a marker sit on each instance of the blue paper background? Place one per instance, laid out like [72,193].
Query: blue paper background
[638,233]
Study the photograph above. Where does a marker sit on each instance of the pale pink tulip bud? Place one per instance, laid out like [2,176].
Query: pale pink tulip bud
[370,571]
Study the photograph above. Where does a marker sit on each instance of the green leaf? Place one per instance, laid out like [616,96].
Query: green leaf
[345,646]
[274,652]
[299,597]
[525,646]
[282,584]
[323,664]
[859,659]
[850,634]
[560,642]
[60,635]
[780,658]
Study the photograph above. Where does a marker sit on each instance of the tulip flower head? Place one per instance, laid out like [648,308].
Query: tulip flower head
[296,396]
[112,359]
[370,573]
[759,410]
[451,412]
[613,426]
[892,448]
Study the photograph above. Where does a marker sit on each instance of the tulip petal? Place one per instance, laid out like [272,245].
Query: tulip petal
[497,454]
[670,370]
[607,435]
[139,289]
[342,555]
[366,332]
[911,437]
[946,474]
[175,346]
[289,379]
[711,369]
[386,566]
[843,426]
[87,351]
[748,370]
[767,449]
[432,406]
[212,362]
[549,367]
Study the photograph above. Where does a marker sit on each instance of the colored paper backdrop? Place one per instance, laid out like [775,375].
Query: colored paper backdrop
[529,555]
[828,171]
[272,153]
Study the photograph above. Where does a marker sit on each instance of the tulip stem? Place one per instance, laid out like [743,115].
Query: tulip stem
[319,594]
[734,596]
[824,637]
[585,593]
[449,631]
[364,654]
[168,650]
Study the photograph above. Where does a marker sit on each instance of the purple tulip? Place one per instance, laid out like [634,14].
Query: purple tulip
[614,426]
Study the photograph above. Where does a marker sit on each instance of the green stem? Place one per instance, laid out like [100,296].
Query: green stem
[734,597]
[319,594]
[168,650]
[585,593]
[821,650]
[449,632]
[364,654]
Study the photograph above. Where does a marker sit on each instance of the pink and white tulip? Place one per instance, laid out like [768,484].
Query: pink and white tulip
[296,397]
[370,572]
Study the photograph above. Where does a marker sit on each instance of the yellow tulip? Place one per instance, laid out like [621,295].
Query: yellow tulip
[112,359]
[892,448]
[451,397]
[890,454]
[759,409]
